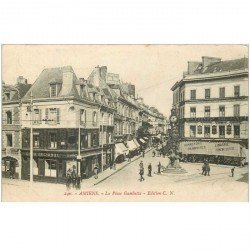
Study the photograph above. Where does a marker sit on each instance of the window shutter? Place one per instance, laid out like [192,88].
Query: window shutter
[46,115]
[58,115]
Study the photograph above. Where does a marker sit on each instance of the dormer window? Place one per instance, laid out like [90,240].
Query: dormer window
[53,90]
[7,96]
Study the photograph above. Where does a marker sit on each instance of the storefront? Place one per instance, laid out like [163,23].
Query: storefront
[10,167]
[120,152]
[53,166]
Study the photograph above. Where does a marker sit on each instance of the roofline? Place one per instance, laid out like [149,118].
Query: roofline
[210,76]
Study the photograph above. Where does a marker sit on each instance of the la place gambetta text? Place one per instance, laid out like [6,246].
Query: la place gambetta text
[121,193]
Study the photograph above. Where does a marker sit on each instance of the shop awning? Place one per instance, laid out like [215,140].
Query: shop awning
[136,143]
[120,149]
[141,140]
[131,145]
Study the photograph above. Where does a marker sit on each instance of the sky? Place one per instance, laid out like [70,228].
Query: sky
[153,69]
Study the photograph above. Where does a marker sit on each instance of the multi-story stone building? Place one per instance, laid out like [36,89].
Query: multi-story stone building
[66,124]
[11,126]
[212,101]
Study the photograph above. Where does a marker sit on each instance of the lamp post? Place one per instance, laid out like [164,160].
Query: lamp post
[31,139]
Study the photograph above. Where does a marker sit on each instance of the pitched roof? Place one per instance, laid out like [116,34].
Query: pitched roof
[222,66]
[41,87]
[17,91]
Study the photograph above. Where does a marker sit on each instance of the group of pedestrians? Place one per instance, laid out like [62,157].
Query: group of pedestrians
[73,178]
[206,168]
[141,170]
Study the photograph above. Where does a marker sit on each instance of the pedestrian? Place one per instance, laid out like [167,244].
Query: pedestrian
[153,153]
[141,173]
[11,171]
[143,153]
[232,171]
[141,164]
[208,169]
[114,166]
[129,156]
[150,170]
[159,168]
[74,176]
[96,171]
[68,178]
[204,167]
[78,181]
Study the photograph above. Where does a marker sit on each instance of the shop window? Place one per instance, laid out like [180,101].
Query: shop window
[236,91]
[214,129]
[50,168]
[222,111]
[237,131]
[237,110]
[207,93]
[222,92]
[193,94]
[199,130]
[207,131]
[229,129]
[53,141]
[84,141]
[9,117]
[192,131]
[9,140]
[36,140]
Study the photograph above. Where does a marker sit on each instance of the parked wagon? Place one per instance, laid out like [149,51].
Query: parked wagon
[228,153]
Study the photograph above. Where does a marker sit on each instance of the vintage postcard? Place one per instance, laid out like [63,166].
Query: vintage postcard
[125,123]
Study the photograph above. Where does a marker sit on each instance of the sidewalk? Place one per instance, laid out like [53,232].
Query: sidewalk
[86,183]
[109,172]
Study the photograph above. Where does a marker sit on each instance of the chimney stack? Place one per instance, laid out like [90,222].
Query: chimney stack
[21,80]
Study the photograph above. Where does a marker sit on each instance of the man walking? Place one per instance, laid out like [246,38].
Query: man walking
[96,172]
[143,153]
[159,168]
[150,170]
[141,173]
[232,171]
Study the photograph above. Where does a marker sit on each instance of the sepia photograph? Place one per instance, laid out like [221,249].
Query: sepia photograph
[125,123]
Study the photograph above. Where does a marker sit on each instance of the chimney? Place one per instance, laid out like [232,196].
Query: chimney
[206,60]
[131,90]
[192,66]
[103,73]
[21,80]
[67,80]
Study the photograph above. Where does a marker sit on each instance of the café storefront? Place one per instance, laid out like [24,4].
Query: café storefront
[52,166]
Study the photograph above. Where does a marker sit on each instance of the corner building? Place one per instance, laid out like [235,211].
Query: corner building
[212,102]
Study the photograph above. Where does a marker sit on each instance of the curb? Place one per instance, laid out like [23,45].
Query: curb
[105,178]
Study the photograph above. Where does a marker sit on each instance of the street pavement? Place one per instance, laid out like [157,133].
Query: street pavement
[123,184]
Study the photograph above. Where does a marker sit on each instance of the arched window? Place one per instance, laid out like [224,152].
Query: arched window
[199,131]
